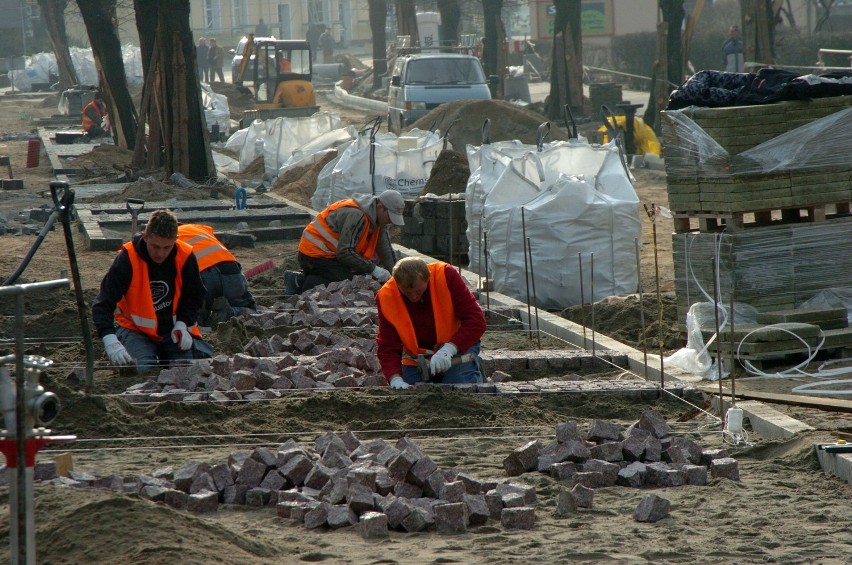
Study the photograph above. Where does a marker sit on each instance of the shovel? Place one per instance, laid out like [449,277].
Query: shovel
[134,213]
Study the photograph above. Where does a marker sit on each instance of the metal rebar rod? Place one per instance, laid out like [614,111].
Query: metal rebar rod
[535,298]
[526,270]
[718,339]
[659,306]
[582,300]
[592,299]
[20,433]
[487,279]
[733,350]
[479,263]
[451,229]
[641,307]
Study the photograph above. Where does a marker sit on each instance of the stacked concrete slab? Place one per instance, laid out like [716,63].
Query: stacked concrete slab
[436,226]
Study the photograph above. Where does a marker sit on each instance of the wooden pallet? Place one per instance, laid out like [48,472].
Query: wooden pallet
[709,221]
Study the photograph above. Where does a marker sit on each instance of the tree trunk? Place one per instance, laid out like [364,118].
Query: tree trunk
[758,31]
[566,76]
[178,95]
[673,14]
[493,54]
[99,18]
[660,90]
[406,21]
[378,10]
[53,14]
[450,20]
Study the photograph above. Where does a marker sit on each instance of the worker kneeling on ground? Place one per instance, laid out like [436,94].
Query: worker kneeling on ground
[95,118]
[153,290]
[425,309]
[341,241]
[227,288]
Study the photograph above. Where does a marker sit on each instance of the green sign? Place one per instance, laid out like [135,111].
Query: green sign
[594,18]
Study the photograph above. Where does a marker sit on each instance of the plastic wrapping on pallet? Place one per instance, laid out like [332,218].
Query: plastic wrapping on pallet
[824,143]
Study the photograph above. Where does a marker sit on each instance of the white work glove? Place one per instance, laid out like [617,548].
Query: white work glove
[116,352]
[181,336]
[380,274]
[396,382]
[442,360]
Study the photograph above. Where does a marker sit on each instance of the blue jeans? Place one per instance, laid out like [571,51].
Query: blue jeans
[149,354]
[464,373]
[226,279]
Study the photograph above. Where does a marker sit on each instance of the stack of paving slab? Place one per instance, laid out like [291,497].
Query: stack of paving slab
[786,332]
[436,226]
[727,183]
[770,268]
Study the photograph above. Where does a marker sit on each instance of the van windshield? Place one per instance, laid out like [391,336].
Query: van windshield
[444,71]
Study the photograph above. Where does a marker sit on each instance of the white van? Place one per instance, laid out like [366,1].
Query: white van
[423,81]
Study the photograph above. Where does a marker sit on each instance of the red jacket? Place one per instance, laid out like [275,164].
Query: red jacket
[421,316]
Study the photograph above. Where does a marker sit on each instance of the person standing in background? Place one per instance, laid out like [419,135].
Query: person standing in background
[261,29]
[215,60]
[326,43]
[732,51]
[201,60]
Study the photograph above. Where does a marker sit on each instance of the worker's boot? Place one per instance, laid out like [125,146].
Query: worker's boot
[293,281]
[220,311]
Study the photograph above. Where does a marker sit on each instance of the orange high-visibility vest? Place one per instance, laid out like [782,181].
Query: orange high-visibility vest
[136,309]
[393,308]
[208,250]
[319,240]
[93,117]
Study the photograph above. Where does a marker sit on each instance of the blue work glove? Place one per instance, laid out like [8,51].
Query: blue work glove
[442,360]
[396,382]
[380,274]
[116,352]
[181,336]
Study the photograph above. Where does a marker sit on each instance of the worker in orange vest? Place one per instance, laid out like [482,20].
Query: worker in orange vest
[95,117]
[153,291]
[342,240]
[227,288]
[428,310]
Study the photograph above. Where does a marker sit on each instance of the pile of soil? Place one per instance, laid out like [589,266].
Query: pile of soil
[239,98]
[154,190]
[300,183]
[449,175]
[102,161]
[462,122]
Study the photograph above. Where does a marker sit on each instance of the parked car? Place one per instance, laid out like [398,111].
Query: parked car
[238,55]
[421,82]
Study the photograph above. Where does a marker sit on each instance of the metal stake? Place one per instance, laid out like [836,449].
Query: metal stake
[641,308]
[718,339]
[733,351]
[535,299]
[582,300]
[592,300]
[451,246]
[526,270]
[487,284]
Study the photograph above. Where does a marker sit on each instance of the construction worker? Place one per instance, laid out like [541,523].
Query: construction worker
[341,241]
[153,291]
[95,117]
[425,309]
[227,288]
[284,65]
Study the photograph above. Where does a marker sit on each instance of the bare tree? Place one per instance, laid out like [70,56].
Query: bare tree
[406,20]
[99,17]
[759,18]
[450,20]
[378,19]
[823,12]
[53,14]
[566,76]
[172,96]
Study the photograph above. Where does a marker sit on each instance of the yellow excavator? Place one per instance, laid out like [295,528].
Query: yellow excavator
[280,71]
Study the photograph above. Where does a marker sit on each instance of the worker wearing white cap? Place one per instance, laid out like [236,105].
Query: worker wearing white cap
[343,239]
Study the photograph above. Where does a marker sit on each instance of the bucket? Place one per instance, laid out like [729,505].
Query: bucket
[33,152]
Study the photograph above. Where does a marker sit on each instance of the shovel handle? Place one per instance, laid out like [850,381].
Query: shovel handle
[64,202]
[135,202]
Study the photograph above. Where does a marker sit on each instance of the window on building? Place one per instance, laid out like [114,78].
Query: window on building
[212,15]
[239,14]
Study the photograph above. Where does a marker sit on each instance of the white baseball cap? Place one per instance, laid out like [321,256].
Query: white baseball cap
[395,205]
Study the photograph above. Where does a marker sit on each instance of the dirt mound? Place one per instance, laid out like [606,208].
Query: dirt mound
[465,118]
[299,184]
[449,174]
[103,160]
[239,98]
[154,190]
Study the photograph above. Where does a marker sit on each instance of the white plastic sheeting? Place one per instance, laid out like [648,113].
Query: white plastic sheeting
[404,167]
[577,200]
[216,109]
[278,138]
[40,66]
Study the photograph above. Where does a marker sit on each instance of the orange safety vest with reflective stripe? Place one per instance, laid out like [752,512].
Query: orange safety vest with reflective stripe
[394,310]
[89,120]
[208,250]
[135,311]
[319,240]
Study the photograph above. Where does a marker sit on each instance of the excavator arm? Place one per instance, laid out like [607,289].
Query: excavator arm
[248,51]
